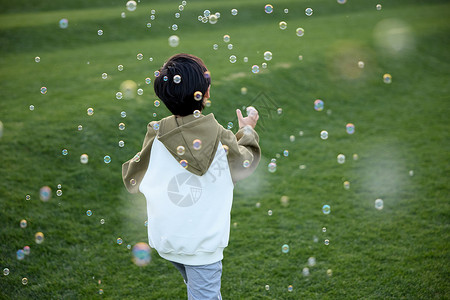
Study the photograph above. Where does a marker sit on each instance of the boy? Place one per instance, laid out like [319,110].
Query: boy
[187,169]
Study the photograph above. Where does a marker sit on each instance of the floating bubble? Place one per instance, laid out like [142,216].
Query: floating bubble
[302,167]
[326,209]
[347,185]
[180,150]
[324,134]
[63,23]
[90,111]
[152,11]
[350,128]
[355,156]
[264,65]
[234,11]
[268,8]
[379,204]
[215,47]
[120,68]
[300,31]
[272,167]
[59,193]
[267,287]
[152,17]
[411,172]
[198,96]
[184,163]
[131,5]
[39,237]
[286,10]
[341,1]
[285,248]
[104,75]
[258,205]
[226,149]
[107,159]
[64,152]
[37,59]
[157,73]
[149,25]
[140,56]
[133,181]
[100,291]
[27,197]
[312,261]
[378,6]
[148,80]
[208,103]
[121,126]
[269,212]
[329,272]
[244,91]
[31,107]
[255,69]
[324,229]
[197,144]
[207,74]
[23,223]
[123,114]
[305,271]
[206,13]
[156,103]
[100,32]
[341,158]
[141,254]
[102,221]
[267,55]
[58,186]
[89,213]
[123,15]
[246,163]
[140,92]
[292,138]
[174,27]
[232,59]
[230,46]
[84,158]
[286,153]
[282,25]
[197,113]
[226,38]
[121,144]
[5,271]
[180,7]
[230,125]
[119,241]
[43,90]
[360,64]
[290,288]
[318,105]
[156,126]
[308,12]
[177,79]
[284,200]
[24,281]
[45,193]
[387,78]
[326,242]
[213,19]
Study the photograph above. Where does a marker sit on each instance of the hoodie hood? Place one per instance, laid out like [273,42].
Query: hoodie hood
[191,139]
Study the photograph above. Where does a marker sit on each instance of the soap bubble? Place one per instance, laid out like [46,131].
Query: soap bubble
[360,64]
[308,12]
[411,172]
[140,56]
[104,75]
[20,255]
[267,287]
[324,134]
[198,96]
[206,13]
[37,59]
[43,90]
[286,10]
[90,111]
[378,6]
[174,41]
[59,193]
[5,271]
[121,126]
[230,46]
[84,158]
[45,193]
[341,158]
[272,167]
[31,107]
[131,5]
[208,103]
[152,17]
[133,181]
[269,212]
[283,25]
[264,65]
[123,114]
[196,113]
[268,8]
[347,185]
[64,152]
[121,144]
[226,38]
[148,80]
[326,242]
[230,125]
[234,11]
[329,272]
[292,138]
[267,55]
[39,237]
[244,91]
[184,163]
[24,281]
[213,19]
[107,159]
[341,1]
[350,128]
[286,153]
[102,221]
[120,68]
[140,92]
[290,288]
[387,78]
[89,213]
[305,271]
[246,163]
[156,103]
[355,156]
[177,79]
[23,223]
[255,69]
[180,7]
[149,25]
[379,204]
[232,59]
[63,23]
[119,241]
[300,31]
[324,229]
[123,15]
[27,197]
[180,150]
[197,144]
[174,27]
[141,254]
[326,209]
[318,105]
[80,127]
[100,32]
[119,95]
[285,248]
[312,261]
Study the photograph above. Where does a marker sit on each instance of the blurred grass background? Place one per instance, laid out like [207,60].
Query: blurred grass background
[398,252]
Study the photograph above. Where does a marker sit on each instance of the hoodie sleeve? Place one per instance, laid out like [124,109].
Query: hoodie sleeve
[244,153]
[133,171]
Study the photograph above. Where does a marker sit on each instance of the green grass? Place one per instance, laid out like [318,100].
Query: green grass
[401,251]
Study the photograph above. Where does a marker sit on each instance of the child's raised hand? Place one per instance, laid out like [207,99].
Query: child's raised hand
[251,119]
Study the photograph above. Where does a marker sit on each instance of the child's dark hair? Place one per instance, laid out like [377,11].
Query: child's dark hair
[179,97]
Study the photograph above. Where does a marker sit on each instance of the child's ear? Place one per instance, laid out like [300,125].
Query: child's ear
[207,93]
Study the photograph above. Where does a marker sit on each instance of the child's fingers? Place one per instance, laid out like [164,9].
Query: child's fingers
[239,115]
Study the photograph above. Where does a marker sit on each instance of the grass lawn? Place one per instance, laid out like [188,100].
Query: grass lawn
[401,143]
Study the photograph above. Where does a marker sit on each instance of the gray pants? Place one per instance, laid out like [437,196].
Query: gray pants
[203,282]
